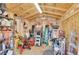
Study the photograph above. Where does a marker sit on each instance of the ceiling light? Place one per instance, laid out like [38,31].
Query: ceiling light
[38,7]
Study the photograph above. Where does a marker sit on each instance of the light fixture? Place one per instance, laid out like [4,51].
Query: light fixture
[38,7]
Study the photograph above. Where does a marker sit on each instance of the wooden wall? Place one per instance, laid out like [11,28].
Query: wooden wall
[72,23]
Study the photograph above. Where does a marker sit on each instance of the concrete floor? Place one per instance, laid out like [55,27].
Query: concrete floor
[34,51]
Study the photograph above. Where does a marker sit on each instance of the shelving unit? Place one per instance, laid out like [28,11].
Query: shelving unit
[4,32]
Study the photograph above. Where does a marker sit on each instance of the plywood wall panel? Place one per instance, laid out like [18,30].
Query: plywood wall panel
[70,24]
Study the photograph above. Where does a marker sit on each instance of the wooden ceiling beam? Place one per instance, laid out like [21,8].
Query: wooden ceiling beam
[37,15]
[13,8]
[56,8]
[18,7]
[73,10]
[44,14]
[53,16]
[25,11]
[30,15]
[33,17]
[55,13]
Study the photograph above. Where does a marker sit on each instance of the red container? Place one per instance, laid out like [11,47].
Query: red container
[20,49]
[32,42]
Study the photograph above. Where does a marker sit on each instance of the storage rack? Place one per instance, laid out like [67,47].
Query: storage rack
[2,52]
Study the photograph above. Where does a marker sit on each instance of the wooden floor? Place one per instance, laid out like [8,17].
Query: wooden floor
[34,51]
